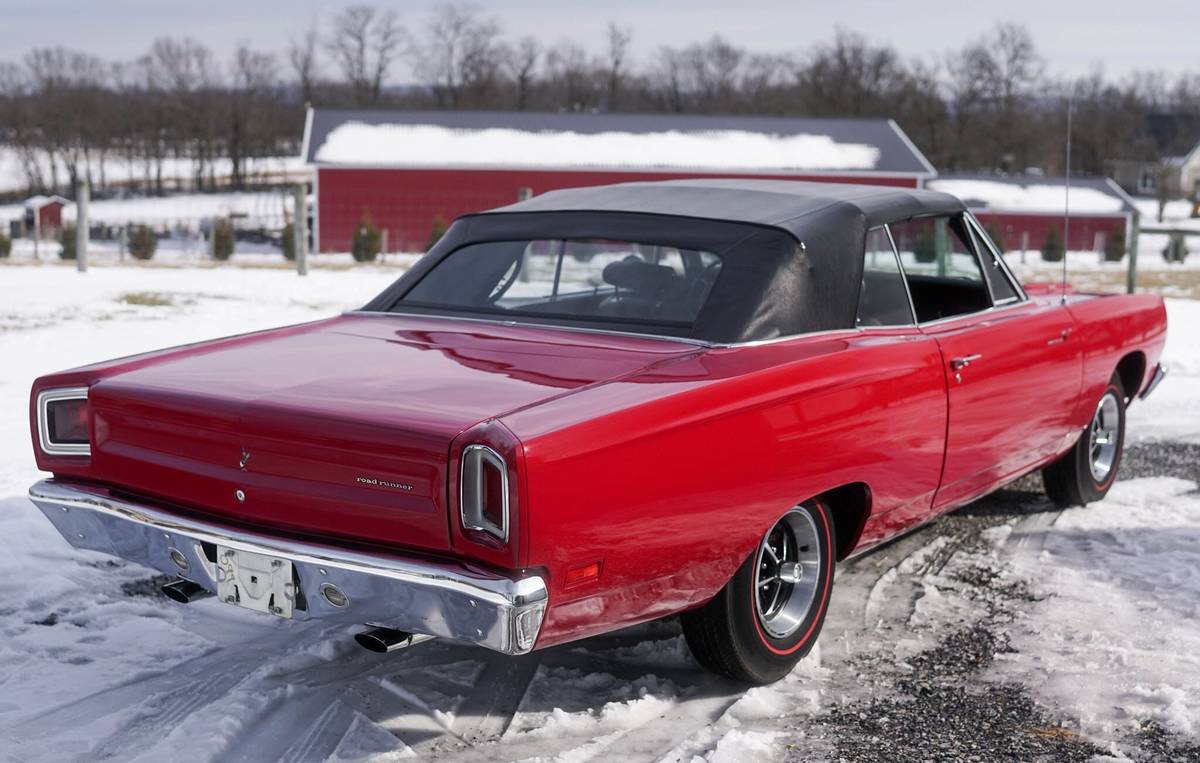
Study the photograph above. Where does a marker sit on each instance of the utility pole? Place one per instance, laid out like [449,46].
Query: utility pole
[300,228]
[81,226]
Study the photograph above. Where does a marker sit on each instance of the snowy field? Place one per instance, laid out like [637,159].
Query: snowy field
[1005,630]
[120,170]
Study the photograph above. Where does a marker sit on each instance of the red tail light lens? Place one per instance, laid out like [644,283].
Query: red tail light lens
[68,421]
[484,497]
[63,421]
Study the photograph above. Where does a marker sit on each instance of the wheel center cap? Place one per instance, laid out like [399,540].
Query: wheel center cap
[790,572]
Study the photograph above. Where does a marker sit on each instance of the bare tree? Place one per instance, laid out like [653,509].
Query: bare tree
[302,58]
[522,60]
[68,88]
[182,71]
[619,38]
[462,58]
[850,77]
[572,73]
[991,84]
[254,74]
[668,79]
[701,77]
[364,44]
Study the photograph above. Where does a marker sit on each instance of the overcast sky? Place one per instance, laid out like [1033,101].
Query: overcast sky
[1075,37]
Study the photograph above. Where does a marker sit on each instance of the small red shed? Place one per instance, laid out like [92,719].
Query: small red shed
[404,170]
[1021,210]
[43,215]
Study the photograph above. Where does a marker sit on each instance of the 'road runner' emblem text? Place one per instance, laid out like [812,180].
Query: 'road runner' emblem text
[383,483]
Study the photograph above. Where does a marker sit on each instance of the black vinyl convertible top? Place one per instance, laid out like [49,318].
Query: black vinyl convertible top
[791,251]
[791,205]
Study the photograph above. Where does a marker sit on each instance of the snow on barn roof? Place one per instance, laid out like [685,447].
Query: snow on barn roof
[520,139]
[1035,194]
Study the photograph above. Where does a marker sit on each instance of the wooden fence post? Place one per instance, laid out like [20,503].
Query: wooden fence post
[82,195]
[300,228]
[1131,276]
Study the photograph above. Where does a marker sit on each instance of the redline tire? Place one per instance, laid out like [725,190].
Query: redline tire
[1088,470]
[734,635]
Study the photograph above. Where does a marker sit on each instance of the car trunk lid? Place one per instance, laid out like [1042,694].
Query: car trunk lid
[342,428]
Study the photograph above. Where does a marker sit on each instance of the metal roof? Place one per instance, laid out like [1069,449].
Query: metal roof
[894,153]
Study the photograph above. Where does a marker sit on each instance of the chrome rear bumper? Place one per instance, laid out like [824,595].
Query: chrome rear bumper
[1158,375]
[448,600]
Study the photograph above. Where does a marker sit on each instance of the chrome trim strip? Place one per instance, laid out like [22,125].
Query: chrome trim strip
[965,316]
[525,324]
[50,448]
[853,331]
[449,600]
[483,525]
[999,257]
[1160,373]
[912,307]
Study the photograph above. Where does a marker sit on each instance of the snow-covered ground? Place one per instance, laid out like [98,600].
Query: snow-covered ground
[1085,621]
[1177,213]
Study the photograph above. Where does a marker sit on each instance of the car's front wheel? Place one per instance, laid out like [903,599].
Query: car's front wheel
[1086,472]
[768,616]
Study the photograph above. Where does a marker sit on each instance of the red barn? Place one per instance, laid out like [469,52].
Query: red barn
[403,170]
[1021,210]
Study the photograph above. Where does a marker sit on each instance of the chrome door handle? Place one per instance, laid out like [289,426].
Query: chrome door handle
[963,361]
[1062,337]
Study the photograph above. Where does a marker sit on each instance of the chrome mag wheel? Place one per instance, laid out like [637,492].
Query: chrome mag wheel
[787,573]
[1104,436]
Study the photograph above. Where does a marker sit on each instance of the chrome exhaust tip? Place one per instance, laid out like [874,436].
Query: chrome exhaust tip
[385,640]
[184,591]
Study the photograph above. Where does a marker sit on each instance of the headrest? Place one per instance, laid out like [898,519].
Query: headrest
[639,276]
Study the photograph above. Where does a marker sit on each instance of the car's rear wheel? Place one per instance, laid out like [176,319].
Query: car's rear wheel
[1087,471]
[768,616]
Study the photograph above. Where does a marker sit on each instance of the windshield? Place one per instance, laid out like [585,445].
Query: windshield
[589,280]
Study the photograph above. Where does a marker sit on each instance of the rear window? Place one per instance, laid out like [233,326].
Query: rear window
[588,280]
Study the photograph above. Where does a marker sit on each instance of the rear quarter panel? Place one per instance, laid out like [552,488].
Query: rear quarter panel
[1109,328]
[670,478]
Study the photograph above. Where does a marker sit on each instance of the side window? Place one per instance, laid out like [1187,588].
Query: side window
[1000,282]
[940,265]
[883,299]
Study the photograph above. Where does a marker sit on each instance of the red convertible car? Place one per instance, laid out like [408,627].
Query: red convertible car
[602,406]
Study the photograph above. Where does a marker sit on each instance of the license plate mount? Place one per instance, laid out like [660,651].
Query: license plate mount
[256,581]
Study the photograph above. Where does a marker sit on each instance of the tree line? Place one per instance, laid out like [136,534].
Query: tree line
[990,105]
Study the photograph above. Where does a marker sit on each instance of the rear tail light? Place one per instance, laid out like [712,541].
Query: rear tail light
[484,496]
[63,421]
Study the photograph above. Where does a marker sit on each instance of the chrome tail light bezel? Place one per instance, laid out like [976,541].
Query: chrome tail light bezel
[48,446]
[475,458]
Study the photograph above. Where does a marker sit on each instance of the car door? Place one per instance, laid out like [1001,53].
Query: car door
[1012,365]
[903,437]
